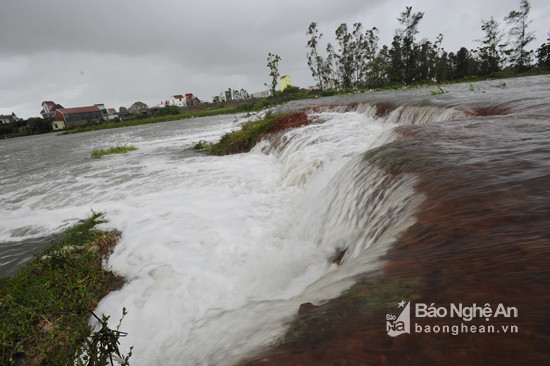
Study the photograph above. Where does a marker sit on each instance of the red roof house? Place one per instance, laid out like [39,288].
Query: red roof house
[49,108]
[75,117]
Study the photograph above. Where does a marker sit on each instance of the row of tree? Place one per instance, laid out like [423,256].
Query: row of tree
[356,61]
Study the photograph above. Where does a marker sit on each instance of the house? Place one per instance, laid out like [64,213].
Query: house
[285,82]
[102,109]
[8,118]
[177,100]
[190,100]
[76,117]
[226,96]
[58,125]
[240,95]
[49,108]
[112,114]
[262,94]
[139,108]
[331,84]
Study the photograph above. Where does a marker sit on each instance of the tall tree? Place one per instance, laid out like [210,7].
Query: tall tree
[314,59]
[404,45]
[273,65]
[439,62]
[490,52]
[379,68]
[410,21]
[396,66]
[344,56]
[520,37]
[543,53]
[462,63]
[371,49]
[331,68]
[358,48]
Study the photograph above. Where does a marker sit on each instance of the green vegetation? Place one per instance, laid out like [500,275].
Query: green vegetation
[250,133]
[273,65]
[97,153]
[241,140]
[34,125]
[44,308]
[358,62]
[439,90]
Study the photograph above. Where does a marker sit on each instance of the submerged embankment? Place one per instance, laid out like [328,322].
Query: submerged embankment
[480,237]
[422,198]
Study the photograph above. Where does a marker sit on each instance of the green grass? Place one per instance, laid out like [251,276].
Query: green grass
[44,308]
[97,153]
[241,140]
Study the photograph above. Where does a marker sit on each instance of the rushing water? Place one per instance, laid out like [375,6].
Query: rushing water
[219,252]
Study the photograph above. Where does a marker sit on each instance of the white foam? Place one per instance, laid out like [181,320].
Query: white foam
[218,252]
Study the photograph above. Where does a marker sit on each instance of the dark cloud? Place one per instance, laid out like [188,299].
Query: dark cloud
[119,51]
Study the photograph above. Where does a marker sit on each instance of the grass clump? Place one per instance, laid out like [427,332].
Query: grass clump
[244,139]
[250,133]
[97,153]
[44,308]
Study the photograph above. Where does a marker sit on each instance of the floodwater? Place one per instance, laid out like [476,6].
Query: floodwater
[219,252]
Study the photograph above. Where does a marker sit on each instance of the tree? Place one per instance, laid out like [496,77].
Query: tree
[371,49]
[520,37]
[330,67]
[409,48]
[314,60]
[379,69]
[396,66]
[273,65]
[543,53]
[462,67]
[491,52]
[358,49]
[404,51]
[345,58]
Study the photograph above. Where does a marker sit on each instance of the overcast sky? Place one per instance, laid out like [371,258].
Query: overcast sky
[117,52]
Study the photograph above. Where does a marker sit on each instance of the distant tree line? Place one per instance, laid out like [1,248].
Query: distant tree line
[356,60]
[33,125]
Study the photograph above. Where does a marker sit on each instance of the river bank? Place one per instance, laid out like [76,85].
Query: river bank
[45,307]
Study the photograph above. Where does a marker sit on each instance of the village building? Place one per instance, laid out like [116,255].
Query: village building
[177,100]
[262,94]
[226,96]
[285,82]
[76,117]
[112,114]
[191,100]
[331,84]
[49,108]
[139,108]
[102,109]
[8,118]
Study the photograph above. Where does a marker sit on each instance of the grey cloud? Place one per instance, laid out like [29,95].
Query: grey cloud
[118,51]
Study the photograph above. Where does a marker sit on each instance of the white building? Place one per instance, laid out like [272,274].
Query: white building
[177,100]
[262,94]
